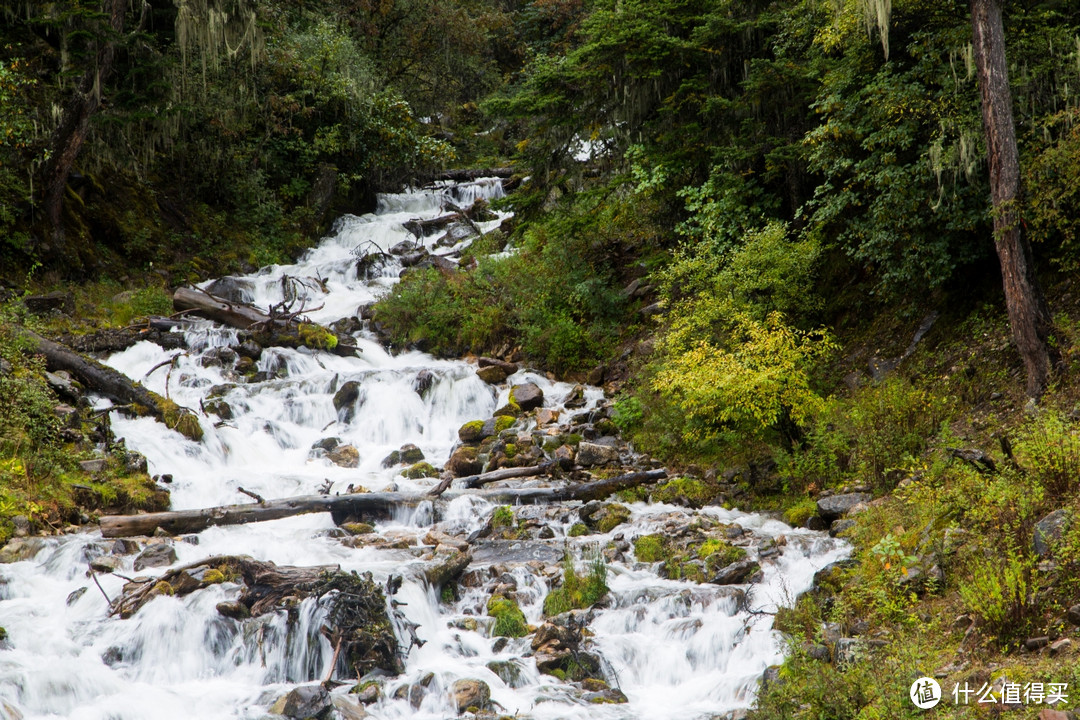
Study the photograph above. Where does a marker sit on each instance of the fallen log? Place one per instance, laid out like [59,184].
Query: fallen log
[266,329]
[469,175]
[475,481]
[356,506]
[114,385]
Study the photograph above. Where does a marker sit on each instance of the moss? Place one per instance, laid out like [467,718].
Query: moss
[502,517]
[614,516]
[358,528]
[578,529]
[179,419]
[798,514]
[718,553]
[213,577]
[509,620]
[316,336]
[696,492]
[472,431]
[650,548]
[503,422]
[511,450]
[163,588]
[421,470]
[510,409]
[572,439]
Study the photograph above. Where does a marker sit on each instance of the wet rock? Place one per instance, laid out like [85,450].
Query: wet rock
[492,374]
[836,506]
[348,709]
[509,671]
[158,555]
[475,431]
[135,462]
[345,399]
[411,454]
[546,416]
[74,595]
[511,410]
[1049,531]
[423,382]
[464,461]
[421,470]
[446,567]
[21,549]
[303,703]
[467,694]
[528,396]
[345,456]
[124,546]
[326,444]
[105,564]
[575,398]
[507,367]
[233,289]
[736,573]
[368,692]
[220,408]
[589,454]
[771,677]
[608,696]
[603,517]
[234,610]
[564,455]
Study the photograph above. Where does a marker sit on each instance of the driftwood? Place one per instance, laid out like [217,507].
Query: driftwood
[475,481]
[267,330]
[355,506]
[114,385]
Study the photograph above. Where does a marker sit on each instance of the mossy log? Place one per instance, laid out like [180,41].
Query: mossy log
[114,385]
[266,330]
[355,507]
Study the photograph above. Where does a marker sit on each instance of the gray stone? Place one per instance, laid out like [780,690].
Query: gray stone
[1074,614]
[836,506]
[467,694]
[61,382]
[93,466]
[735,573]
[1049,531]
[423,382]
[841,526]
[1064,645]
[105,564]
[302,703]
[158,555]
[771,677]
[345,456]
[135,462]
[527,395]
[348,709]
[589,454]
[22,525]
[21,549]
[1036,643]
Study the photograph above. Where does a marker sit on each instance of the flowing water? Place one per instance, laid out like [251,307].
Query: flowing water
[676,649]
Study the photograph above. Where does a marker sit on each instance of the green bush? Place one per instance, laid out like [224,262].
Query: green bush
[1003,593]
[1048,448]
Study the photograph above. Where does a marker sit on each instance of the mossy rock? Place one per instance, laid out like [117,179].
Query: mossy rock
[179,419]
[502,517]
[316,337]
[578,529]
[504,422]
[358,528]
[421,470]
[472,432]
[213,576]
[510,409]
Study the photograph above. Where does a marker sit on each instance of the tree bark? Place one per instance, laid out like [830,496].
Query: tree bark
[1029,315]
[354,506]
[67,140]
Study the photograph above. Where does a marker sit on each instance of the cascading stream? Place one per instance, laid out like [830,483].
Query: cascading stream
[677,649]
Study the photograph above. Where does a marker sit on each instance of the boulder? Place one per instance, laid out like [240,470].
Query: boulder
[564,455]
[21,549]
[105,564]
[1074,614]
[411,454]
[736,573]
[303,703]
[159,555]
[545,417]
[528,396]
[492,374]
[423,382]
[233,289]
[347,708]
[57,301]
[234,610]
[1049,531]
[345,399]
[467,694]
[474,431]
[589,454]
[464,461]
[836,506]
[345,456]
[508,367]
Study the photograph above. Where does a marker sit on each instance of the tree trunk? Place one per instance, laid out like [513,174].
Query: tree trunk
[380,505]
[68,138]
[114,385]
[1029,315]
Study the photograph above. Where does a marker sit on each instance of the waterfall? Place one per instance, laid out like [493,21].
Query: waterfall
[676,649]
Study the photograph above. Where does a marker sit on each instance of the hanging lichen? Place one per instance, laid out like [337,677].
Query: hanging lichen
[877,14]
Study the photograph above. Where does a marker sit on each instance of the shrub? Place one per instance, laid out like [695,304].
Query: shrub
[1003,594]
[509,620]
[1048,448]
